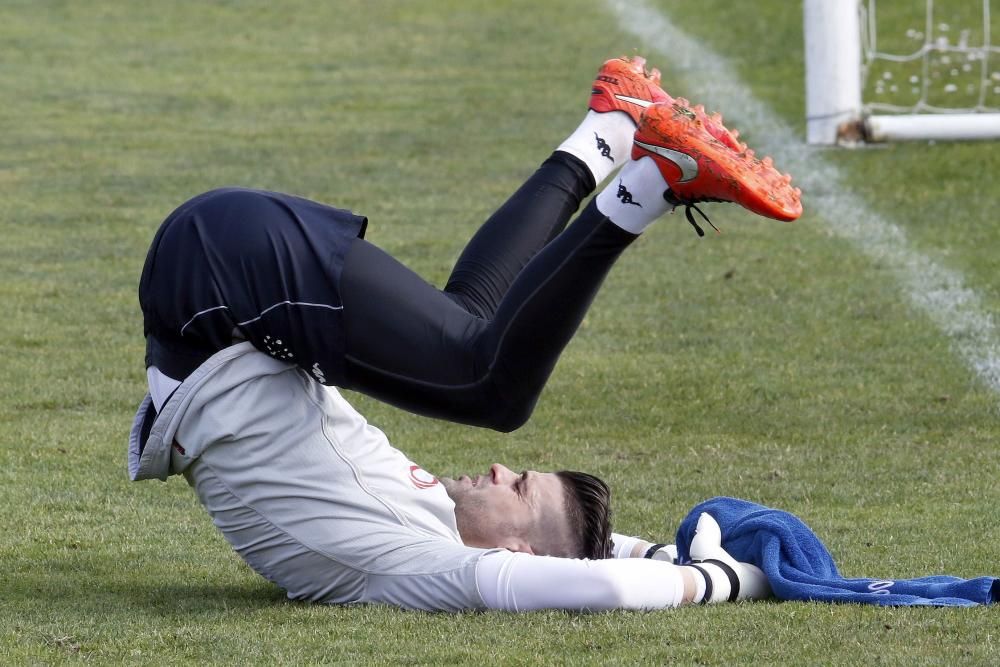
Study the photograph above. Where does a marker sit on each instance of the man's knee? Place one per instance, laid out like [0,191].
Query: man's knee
[511,416]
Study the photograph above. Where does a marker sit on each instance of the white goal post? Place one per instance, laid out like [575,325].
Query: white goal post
[841,49]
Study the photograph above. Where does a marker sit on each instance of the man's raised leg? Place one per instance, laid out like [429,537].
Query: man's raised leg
[413,346]
[540,209]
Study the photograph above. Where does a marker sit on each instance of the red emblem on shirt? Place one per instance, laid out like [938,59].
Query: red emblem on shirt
[421,478]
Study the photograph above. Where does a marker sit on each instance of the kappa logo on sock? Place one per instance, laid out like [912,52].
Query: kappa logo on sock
[603,147]
[626,196]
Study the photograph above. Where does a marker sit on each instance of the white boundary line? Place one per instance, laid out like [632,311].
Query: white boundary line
[938,291]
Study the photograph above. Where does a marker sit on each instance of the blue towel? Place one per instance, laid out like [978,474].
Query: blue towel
[799,567]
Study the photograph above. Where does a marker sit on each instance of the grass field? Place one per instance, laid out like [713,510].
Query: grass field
[779,363]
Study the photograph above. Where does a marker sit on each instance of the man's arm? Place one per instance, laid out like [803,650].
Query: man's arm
[521,582]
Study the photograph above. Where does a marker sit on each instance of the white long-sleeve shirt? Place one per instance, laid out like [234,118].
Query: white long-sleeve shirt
[317,500]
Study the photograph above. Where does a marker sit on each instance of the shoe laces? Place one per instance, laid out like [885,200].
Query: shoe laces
[690,204]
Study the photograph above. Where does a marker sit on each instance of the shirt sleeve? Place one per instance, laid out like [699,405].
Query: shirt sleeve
[522,582]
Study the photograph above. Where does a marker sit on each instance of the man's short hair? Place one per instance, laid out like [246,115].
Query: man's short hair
[588,508]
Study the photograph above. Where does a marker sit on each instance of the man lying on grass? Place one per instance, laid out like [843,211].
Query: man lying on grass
[257,304]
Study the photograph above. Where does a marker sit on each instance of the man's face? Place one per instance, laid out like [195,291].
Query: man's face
[521,512]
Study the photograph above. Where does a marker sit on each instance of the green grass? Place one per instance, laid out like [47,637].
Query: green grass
[775,362]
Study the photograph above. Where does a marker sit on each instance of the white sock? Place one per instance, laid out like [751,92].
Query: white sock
[634,198]
[603,141]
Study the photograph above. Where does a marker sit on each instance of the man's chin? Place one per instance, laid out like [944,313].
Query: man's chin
[449,484]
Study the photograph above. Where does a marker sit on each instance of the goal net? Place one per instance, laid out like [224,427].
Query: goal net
[901,69]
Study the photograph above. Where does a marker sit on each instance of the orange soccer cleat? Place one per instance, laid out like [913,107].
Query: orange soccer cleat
[624,84]
[699,166]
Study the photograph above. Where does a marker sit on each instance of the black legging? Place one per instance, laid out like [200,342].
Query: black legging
[480,351]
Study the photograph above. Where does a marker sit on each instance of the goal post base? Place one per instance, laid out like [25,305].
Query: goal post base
[927,127]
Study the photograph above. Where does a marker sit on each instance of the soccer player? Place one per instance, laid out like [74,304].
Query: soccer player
[257,304]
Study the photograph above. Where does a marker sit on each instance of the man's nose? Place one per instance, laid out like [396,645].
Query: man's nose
[500,473]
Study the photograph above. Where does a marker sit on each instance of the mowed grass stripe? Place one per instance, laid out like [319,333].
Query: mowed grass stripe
[940,292]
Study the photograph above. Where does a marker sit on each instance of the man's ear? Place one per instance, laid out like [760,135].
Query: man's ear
[517,545]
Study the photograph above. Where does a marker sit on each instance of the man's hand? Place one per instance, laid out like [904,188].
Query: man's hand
[731,580]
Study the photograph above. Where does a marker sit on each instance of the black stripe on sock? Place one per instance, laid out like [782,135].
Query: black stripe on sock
[708,583]
[734,581]
[653,549]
